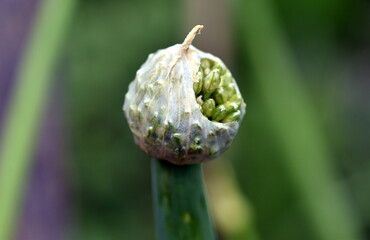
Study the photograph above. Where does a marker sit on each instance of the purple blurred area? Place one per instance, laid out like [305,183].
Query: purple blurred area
[15,20]
[43,212]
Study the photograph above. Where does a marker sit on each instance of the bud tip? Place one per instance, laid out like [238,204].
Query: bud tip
[190,37]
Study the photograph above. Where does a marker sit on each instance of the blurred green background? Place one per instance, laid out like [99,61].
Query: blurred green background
[299,167]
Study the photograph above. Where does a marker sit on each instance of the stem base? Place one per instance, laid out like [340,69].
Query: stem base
[180,204]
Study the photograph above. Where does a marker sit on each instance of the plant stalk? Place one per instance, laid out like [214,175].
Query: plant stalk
[180,203]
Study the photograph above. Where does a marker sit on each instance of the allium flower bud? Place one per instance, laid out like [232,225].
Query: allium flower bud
[183,106]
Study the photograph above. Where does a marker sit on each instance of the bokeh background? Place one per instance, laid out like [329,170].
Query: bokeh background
[299,167]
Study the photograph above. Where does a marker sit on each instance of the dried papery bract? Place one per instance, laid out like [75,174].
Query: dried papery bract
[183,106]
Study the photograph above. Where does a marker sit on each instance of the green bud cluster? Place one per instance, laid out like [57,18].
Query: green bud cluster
[217,91]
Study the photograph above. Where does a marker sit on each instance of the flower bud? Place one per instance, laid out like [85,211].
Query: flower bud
[197,85]
[205,64]
[234,116]
[183,106]
[211,82]
[223,110]
[220,95]
[208,107]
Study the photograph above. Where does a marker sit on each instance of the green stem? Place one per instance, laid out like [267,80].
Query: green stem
[27,105]
[180,203]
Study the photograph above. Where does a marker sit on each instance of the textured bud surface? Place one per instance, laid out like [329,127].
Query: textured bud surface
[183,106]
